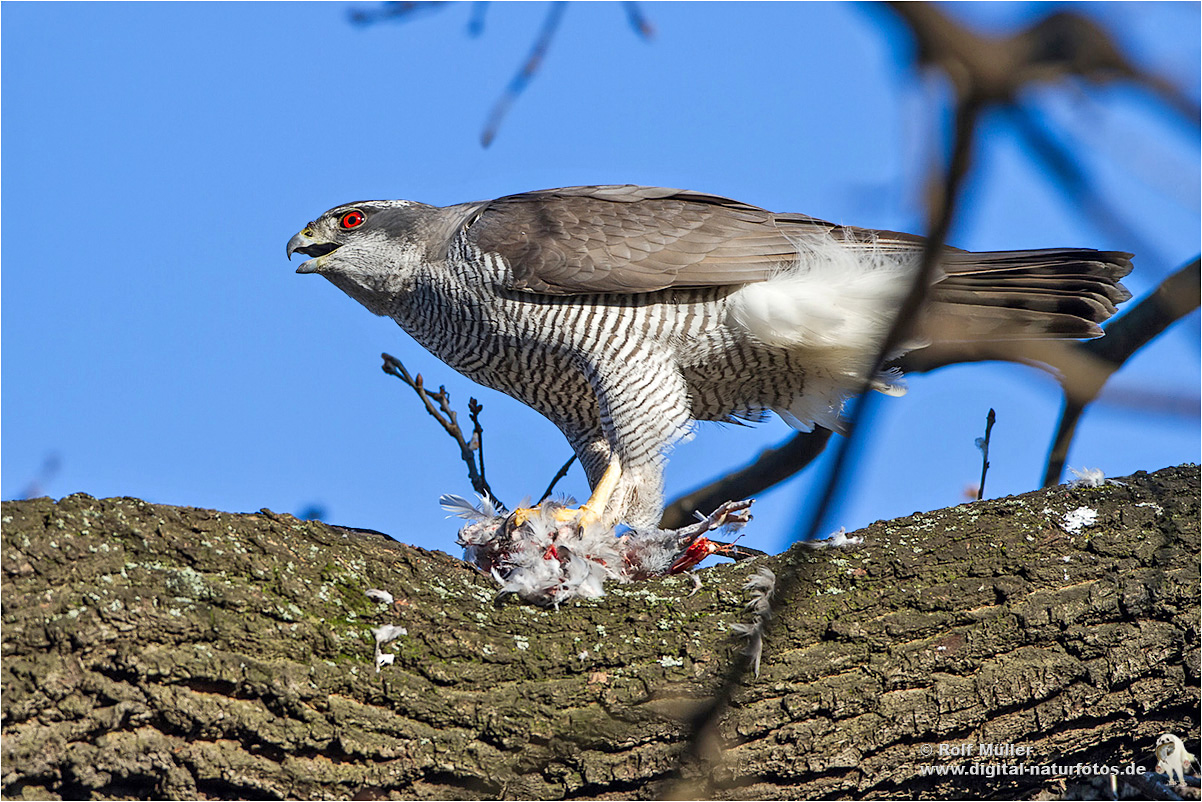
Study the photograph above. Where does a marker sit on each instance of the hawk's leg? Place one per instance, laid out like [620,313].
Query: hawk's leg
[640,409]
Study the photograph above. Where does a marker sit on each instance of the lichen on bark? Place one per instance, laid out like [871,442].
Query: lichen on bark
[153,651]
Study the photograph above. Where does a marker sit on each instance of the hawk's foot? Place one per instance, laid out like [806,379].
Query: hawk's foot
[589,512]
[561,515]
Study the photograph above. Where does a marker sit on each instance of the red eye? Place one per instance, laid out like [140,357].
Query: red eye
[352,219]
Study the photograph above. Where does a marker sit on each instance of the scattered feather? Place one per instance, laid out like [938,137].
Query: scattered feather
[762,583]
[1091,477]
[388,632]
[384,634]
[760,587]
[1080,518]
[460,507]
[382,596]
[754,633]
[835,540]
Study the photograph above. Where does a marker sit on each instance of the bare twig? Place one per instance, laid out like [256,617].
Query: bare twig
[983,444]
[527,71]
[46,473]
[641,25]
[474,408]
[1150,401]
[555,480]
[392,11]
[771,467]
[475,24]
[439,406]
[542,43]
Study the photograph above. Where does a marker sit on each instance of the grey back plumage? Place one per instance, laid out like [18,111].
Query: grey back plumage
[632,239]
[624,239]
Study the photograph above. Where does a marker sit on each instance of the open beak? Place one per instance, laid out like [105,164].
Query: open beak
[304,243]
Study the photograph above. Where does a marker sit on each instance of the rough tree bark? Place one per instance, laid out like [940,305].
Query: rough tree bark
[153,651]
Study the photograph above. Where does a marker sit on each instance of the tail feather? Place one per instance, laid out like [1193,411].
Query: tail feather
[1113,293]
[1058,293]
[1091,307]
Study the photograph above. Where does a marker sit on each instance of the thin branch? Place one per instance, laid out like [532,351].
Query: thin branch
[474,408]
[392,11]
[771,467]
[555,480]
[983,444]
[439,406]
[1066,430]
[475,24]
[519,82]
[641,25]
[41,480]
[1171,95]
[1149,401]
[410,8]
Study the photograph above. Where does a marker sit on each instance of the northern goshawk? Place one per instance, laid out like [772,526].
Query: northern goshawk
[623,313]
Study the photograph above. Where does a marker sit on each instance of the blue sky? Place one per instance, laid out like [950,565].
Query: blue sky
[157,157]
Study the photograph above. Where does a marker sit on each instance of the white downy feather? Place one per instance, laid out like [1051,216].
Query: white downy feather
[834,296]
[835,304]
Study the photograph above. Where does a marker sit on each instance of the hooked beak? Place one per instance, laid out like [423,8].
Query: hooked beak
[303,243]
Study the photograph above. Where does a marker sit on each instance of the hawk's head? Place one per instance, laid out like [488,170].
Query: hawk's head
[363,247]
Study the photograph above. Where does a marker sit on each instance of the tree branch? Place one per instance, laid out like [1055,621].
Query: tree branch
[983,444]
[175,653]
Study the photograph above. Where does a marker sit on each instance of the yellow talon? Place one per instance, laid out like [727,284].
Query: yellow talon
[589,512]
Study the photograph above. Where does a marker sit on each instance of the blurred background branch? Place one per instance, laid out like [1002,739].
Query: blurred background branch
[402,11]
[984,71]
